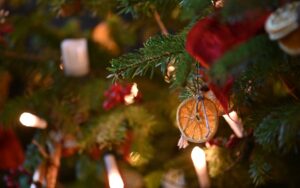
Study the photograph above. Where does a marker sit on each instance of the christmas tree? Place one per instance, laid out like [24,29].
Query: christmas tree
[151,93]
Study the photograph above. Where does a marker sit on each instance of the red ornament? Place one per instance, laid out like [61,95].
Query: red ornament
[11,152]
[222,93]
[210,39]
[5,28]
[116,95]
[232,141]
[70,146]
[215,142]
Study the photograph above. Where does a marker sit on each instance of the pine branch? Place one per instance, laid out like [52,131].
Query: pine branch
[259,51]
[157,51]
[278,132]
[259,170]
[110,130]
[145,7]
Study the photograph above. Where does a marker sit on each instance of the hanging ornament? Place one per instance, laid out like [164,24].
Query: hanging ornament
[283,25]
[174,178]
[75,57]
[197,119]
[182,142]
[210,39]
[121,94]
[197,116]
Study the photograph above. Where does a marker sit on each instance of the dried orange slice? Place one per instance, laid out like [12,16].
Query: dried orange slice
[193,122]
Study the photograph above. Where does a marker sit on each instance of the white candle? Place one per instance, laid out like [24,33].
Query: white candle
[114,177]
[75,57]
[31,120]
[199,161]
[235,123]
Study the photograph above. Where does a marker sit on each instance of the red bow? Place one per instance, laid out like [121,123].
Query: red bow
[210,39]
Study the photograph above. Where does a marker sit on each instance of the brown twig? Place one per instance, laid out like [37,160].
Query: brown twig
[17,55]
[288,88]
[53,166]
[41,149]
[159,22]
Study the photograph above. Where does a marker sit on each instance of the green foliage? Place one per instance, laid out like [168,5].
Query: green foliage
[236,61]
[75,7]
[265,93]
[153,180]
[260,170]
[111,130]
[183,68]
[146,7]
[157,51]
[191,9]
[219,160]
[235,9]
[279,129]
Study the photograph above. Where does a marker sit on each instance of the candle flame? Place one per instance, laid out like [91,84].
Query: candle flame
[115,180]
[31,120]
[198,157]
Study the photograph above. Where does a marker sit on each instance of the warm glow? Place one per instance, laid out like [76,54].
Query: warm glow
[135,158]
[114,177]
[115,180]
[171,68]
[199,161]
[61,66]
[235,123]
[102,35]
[30,120]
[198,157]
[75,57]
[129,99]
[134,90]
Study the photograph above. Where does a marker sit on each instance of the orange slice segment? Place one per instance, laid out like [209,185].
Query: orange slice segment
[192,122]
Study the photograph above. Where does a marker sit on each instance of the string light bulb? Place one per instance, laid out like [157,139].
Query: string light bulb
[30,120]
